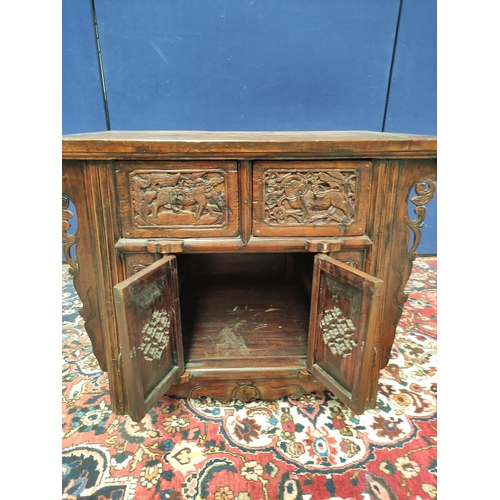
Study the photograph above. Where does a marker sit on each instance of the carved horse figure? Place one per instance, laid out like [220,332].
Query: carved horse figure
[198,193]
[322,198]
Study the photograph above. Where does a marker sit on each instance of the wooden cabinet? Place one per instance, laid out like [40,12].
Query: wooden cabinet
[243,265]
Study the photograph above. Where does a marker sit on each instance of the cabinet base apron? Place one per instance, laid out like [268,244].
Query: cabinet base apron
[266,383]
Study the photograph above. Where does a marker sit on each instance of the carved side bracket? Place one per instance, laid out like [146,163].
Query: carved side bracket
[68,239]
[78,246]
[425,191]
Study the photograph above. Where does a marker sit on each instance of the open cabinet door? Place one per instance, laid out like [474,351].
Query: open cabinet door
[149,328]
[343,332]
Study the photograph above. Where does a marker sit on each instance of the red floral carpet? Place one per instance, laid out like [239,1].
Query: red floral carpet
[311,448]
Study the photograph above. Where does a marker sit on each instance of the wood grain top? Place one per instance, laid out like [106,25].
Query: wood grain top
[218,144]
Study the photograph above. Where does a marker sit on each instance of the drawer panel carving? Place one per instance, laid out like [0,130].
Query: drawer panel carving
[315,198]
[181,198]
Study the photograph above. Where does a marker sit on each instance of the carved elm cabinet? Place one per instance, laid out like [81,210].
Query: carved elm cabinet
[243,264]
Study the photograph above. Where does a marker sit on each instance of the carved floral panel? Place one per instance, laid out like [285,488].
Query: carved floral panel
[169,198]
[155,336]
[338,332]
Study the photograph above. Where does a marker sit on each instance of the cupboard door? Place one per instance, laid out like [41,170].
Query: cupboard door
[149,329]
[344,331]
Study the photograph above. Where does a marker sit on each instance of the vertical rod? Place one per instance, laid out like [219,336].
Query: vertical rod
[101,68]
[392,65]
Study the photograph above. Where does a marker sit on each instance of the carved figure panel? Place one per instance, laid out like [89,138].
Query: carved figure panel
[166,198]
[310,197]
[178,198]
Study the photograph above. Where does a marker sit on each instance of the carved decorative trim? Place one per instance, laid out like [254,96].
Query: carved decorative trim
[156,334]
[301,198]
[351,263]
[84,282]
[338,332]
[69,240]
[161,198]
[424,190]
[136,267]
[245,391]
[298,390]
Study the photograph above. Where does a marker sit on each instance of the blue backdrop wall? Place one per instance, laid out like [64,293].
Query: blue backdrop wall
[252,65]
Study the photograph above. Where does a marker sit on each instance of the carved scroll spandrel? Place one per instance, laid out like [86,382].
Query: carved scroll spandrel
[70,244]
[416,188]
[424,191]
[84,248]
[69,238]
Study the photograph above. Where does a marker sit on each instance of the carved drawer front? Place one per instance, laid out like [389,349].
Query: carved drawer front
[310,198]
[178,199]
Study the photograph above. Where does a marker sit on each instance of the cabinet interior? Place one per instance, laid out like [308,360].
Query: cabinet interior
[245,310]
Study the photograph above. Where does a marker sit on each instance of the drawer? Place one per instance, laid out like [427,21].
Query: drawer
[311,198]
[178,199]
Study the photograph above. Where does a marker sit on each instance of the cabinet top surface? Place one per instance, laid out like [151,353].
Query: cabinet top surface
[192,143]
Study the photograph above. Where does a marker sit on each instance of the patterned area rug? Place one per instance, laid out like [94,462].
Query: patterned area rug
[311,448]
